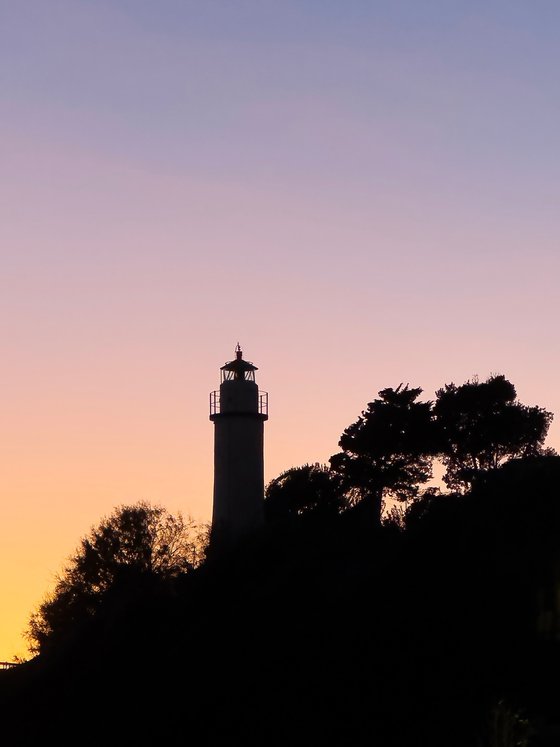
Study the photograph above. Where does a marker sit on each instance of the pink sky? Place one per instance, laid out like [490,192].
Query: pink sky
[360,198]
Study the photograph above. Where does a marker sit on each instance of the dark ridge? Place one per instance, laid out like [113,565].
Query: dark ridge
[329,632]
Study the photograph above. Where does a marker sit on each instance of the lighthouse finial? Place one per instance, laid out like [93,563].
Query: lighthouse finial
[238,352]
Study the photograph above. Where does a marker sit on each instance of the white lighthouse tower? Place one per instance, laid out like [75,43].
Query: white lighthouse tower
[238,411]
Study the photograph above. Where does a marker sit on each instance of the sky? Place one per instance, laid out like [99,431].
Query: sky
[360,193]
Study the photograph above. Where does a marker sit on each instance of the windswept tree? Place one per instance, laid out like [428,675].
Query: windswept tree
[135,547]
[388,451]
[482,425]
[309,490]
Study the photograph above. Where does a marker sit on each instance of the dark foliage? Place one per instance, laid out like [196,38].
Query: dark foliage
[482,425]
[388,451]
[310,490]
[330,633]
[130,552]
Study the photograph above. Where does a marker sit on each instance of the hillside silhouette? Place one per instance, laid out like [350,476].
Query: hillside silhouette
[435,625]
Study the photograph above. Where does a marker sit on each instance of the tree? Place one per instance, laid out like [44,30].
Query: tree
[134,547]
[482,425]
[312,489]
[388,451]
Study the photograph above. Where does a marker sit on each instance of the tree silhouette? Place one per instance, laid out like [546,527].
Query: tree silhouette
[135,546]
[388,451]
[482,425]
[312,489]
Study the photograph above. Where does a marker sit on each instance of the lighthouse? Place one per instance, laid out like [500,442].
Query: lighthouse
[238,410]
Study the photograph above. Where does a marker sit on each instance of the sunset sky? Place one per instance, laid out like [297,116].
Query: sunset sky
[361,193]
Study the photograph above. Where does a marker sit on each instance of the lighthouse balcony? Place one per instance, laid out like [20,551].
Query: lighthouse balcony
[258,407]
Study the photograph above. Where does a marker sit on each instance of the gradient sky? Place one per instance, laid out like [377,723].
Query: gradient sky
[361,193]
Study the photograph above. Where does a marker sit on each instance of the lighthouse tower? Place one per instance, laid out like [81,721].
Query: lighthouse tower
[238,411]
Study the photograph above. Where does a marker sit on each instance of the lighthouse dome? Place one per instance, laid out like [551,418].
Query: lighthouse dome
[238,369]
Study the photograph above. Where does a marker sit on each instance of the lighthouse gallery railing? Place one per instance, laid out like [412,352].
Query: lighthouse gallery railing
[215,403]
